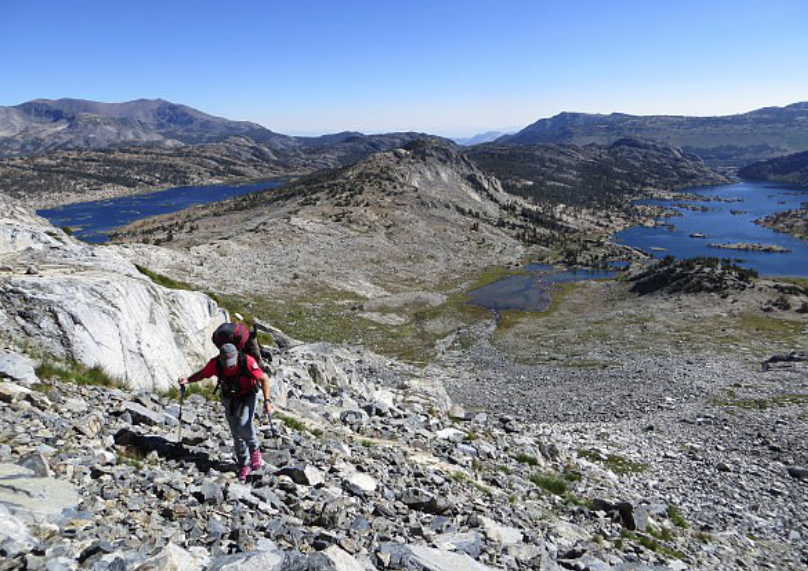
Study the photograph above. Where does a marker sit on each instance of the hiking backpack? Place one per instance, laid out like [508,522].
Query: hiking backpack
[236,333]
[246,341]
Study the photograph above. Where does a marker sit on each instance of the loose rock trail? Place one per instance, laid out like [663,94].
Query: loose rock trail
[362,477]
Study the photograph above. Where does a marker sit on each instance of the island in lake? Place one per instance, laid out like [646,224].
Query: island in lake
[746,247]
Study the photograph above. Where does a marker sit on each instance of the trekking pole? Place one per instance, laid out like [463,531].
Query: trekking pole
[179,430]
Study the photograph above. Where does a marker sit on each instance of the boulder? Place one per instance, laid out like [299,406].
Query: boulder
[342,560]
[500,533]
[798,472]
[421,500]
[306,475]
[90,425]
[37,463]
[452,434]
[18,368]
[265,560]
[12,392]
[470,543]
[15,537]
[23,492]
[360,483]
[175,558]
[431,559]
[142,415]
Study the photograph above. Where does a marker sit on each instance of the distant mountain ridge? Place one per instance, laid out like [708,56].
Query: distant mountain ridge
[730,141]
[45,125]
[480,138]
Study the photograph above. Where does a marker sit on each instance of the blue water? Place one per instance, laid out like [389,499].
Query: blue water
[755,200]
[531,291]
[92,221]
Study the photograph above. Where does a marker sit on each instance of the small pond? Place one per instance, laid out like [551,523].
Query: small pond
[530,291]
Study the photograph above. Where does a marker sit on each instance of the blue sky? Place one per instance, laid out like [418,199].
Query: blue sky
[446,67]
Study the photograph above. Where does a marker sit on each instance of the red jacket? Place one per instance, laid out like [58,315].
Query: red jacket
[246,377]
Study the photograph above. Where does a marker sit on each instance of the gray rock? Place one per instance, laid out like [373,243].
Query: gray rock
[306,475]
[266,560]
[175,558]
[342,560]
[212,492]
[37,463]
[798,472]
[239,492]
[500,533]
[15,538]
[360,483]
[353,416]
[431,559]
[467,450]
[452,434]
[470,543]
[142,415]
[423,501]
[90,425]
[18,368]
[457,412]
[23,492]
[12,392]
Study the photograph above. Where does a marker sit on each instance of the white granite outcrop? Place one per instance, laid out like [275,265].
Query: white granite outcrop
[75,301]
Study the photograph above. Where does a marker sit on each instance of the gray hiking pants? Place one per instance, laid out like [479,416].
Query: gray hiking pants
[239,414]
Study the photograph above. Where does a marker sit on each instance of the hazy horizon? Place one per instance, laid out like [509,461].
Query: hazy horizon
[451,68]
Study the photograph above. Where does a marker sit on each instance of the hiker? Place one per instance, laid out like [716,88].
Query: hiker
[239,377]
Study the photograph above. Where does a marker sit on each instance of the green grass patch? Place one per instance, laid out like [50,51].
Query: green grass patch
[74,372]
[621,465]
[462,478]
[335,316]
[571,475]
[131,457]
[591,455]
[677,518]
[298,425]
[550,483]
[526,459]
[163,280]
[204,389]
[662,534]
[762,403]
[773,328]
[653,545]
[614,462]
[291,422]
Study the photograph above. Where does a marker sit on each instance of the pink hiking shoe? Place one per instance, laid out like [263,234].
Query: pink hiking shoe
[243,473]
[255,460]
